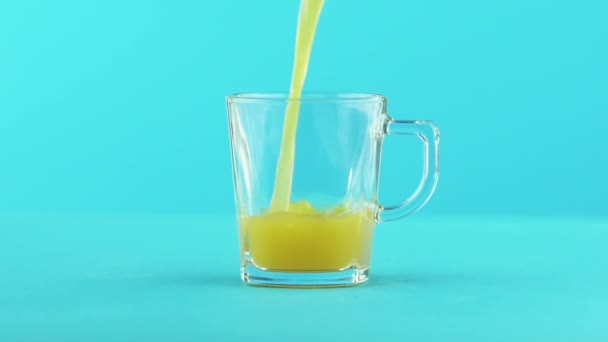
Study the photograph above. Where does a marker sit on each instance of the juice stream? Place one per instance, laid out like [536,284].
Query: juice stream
[307,24]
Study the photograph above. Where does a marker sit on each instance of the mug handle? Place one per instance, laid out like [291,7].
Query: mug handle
[429,134]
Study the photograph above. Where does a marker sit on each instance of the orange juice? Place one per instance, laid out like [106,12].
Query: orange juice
[295,236]
[310,10]
[303,239]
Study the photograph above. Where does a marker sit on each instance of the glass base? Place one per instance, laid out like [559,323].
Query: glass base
[253,275]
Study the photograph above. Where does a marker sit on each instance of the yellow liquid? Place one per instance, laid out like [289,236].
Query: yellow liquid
[303,239]
[307,24]
[295,236]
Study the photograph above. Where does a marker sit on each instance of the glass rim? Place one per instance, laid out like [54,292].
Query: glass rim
[307,96]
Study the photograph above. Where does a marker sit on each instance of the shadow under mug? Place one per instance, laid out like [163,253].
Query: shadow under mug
[324,236]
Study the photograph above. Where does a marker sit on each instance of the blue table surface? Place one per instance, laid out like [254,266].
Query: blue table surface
[177,279]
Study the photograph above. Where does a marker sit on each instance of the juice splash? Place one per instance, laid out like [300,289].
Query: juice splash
[307,24]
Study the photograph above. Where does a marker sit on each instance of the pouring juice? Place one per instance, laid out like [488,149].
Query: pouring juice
[295,236]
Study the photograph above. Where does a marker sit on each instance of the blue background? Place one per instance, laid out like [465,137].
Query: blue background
[116,198]
[112,106]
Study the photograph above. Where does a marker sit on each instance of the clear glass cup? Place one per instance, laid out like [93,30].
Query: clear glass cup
[324,237]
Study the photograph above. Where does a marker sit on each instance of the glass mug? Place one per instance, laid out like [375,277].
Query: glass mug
[324,237]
